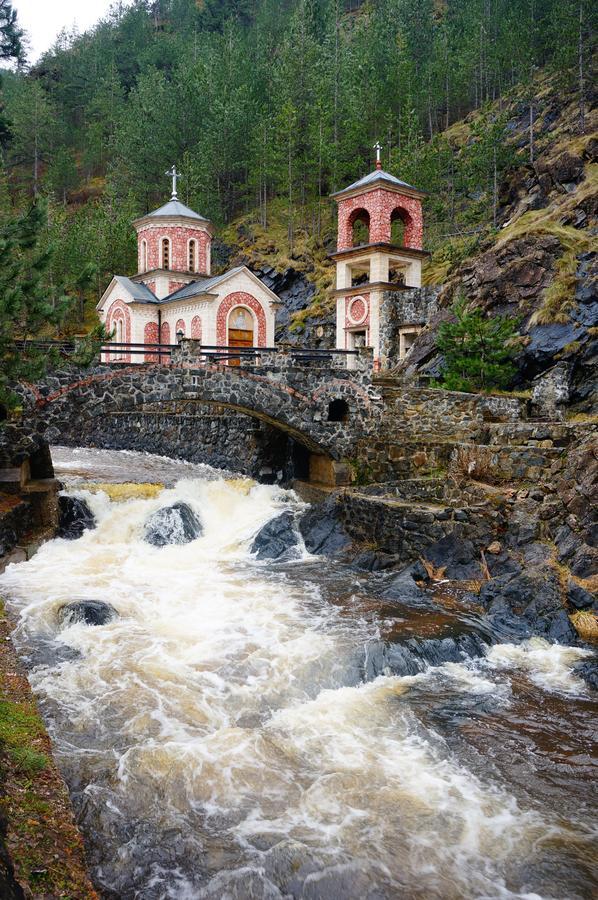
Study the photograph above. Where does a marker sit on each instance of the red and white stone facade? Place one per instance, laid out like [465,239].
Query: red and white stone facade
[381,206]
[172,293]
[150,250]
[357,311]
[246,301]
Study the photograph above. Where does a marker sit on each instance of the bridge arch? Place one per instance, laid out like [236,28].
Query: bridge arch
[294,403]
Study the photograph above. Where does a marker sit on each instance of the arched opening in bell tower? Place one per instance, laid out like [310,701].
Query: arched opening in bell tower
[399,221]
[359,221]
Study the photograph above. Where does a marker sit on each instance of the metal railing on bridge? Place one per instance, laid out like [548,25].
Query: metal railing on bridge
[122,353]
[115,352]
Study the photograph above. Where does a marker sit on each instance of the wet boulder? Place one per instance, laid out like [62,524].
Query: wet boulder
[322,530]
[404,590]
[580,598]
[375,561]
[588,670]
[89,612]
[74,517]
[456,556]
[278,539]
[520,606]
[175,524]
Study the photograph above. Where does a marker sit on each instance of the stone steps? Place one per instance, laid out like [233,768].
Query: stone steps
[532,434]
[397,461]
[409,489]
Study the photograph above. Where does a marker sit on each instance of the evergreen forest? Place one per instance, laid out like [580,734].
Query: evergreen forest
[266,107]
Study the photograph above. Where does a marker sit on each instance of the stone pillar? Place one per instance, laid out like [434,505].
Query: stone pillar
[550,392]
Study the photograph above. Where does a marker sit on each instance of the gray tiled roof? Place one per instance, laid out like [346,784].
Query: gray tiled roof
[201,286]
[375,176]
[175,208]
[138,290]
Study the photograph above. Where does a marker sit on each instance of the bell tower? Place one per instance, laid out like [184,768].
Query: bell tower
[379,250]
[173,245]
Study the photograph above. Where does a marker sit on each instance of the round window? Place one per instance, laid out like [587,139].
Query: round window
[358,311]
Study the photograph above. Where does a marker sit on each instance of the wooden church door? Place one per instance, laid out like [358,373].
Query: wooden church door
[240,331]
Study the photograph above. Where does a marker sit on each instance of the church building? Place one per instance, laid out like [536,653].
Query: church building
[173,294]
[379,255]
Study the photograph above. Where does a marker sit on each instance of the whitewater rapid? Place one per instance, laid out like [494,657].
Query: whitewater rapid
[218,738]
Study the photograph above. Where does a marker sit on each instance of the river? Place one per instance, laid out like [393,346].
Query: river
[219,738]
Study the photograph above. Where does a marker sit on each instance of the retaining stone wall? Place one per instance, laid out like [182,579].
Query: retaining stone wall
[387,461]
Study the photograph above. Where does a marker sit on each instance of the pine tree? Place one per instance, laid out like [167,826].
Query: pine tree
[478,350]
[11,36]
[28,306]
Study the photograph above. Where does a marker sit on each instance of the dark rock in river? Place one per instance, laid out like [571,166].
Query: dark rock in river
[74,517]
[90,612]
[375,561]
[322,530]
[520,606]
[588,670]
[404,589]
[176,524]
[579,597]
[456,556]
[278,539]
[415,655]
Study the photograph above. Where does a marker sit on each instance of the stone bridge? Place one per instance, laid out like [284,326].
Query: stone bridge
[272,416]
[321,412]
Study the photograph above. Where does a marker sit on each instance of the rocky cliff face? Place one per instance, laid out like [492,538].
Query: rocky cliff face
[540,265]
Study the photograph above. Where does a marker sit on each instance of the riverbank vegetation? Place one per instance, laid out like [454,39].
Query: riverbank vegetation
[41,851]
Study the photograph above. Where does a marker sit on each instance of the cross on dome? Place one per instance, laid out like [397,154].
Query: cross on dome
[378,149]
[172,173]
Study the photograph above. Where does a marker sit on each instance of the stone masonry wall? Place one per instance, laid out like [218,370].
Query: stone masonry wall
[407,530]
[390,460]
[398,309]
[206,434]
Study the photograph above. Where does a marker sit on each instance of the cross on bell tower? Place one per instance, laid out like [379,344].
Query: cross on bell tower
[172,173]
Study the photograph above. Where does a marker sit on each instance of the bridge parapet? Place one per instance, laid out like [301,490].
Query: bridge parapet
[191,353]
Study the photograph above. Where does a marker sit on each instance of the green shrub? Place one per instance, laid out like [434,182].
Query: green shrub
[478,350]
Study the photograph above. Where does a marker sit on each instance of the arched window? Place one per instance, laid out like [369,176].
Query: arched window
[360,227]
[118,335]
[192,263]
[165,253]
[144,256]
[399,221]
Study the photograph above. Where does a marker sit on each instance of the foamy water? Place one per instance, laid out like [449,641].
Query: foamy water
[217,737]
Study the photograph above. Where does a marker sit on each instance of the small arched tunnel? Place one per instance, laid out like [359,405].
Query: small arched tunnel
[338,410]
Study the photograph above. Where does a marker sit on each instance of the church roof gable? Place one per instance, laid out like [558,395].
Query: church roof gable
[137,290]
[201,286]
[205,285]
